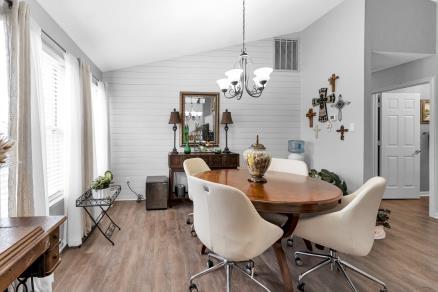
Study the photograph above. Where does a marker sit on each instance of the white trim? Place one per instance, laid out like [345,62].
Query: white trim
[433,146]
[424,194]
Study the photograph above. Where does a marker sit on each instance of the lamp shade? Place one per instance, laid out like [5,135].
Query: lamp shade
[223,84]
[258,81]
[263,73]
[234,75]
[174,117]
[226,117]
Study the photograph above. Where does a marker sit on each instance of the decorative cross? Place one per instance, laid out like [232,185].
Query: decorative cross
[329,125]
[316,129]
[340,104]
[342,130]
[332,81]
[322,102]
[310,114]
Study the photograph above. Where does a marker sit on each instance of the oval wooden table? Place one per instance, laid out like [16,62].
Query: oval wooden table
[283,193]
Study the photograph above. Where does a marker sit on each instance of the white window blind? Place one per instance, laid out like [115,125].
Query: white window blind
[4,117]
[286,54]
[53,73]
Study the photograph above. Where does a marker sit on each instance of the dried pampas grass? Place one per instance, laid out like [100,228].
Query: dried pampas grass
[5,146]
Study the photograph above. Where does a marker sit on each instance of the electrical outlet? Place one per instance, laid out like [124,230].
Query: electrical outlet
[351,128]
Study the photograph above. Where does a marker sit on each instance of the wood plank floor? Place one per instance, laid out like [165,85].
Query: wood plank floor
[155,252]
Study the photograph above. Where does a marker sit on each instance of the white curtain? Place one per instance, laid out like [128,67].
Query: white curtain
[101,128]
[73,137]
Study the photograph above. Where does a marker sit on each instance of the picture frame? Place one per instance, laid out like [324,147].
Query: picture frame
[425,111]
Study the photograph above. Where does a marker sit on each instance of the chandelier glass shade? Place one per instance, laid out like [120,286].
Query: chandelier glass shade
[238,81]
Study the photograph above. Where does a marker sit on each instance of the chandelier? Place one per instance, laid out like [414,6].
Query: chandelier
[237,80]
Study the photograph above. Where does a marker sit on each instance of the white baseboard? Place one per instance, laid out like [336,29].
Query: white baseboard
[424,194]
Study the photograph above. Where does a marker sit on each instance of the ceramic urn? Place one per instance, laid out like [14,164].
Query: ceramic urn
[258,161]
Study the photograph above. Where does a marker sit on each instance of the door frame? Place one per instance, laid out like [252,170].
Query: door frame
[433,145]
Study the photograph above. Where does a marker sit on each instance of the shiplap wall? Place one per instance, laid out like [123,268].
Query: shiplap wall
[142,97]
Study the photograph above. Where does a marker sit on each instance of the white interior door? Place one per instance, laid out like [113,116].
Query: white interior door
[400,144]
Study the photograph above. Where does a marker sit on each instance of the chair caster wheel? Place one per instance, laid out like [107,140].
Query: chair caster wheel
[249,268]
[300,286]
[290,242]
[188,222]
[193,232]
[298,261]
[193,288]
[384,290]
[210,263]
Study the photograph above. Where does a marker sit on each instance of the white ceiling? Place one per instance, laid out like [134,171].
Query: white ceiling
[123,33]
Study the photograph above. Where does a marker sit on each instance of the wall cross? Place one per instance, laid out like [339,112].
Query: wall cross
[310,114]
[322,102]
[332,81]
[342,130]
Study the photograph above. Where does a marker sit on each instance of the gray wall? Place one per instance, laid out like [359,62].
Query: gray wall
[142,97]
[425,93]
[401,25]
[335,44]
[48,25]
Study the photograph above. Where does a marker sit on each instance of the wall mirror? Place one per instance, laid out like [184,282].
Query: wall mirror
[200,118]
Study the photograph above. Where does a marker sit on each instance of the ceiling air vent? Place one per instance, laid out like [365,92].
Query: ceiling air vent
[286,55]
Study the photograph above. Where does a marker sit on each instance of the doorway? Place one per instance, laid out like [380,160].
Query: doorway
[403,117]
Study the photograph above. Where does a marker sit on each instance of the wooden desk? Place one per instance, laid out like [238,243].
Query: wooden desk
[29,246]
[214,161]
[283,193]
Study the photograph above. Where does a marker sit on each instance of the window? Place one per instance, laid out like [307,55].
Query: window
[286,54]
[53,73]
[4,117]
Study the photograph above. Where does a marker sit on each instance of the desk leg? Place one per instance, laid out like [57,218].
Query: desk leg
[288,229]
[171,175]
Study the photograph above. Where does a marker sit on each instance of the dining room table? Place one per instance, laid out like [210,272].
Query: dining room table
[290,195]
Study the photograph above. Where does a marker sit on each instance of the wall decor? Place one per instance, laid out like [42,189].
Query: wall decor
[332,80]
[199,118]
[342,130]
[316,129]
[226,120]
[310,114]
[425,111]
[329,125]
[174,119]
[340,104]
[322,102]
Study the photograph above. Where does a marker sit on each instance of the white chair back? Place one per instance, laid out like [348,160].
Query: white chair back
[227,223]
[194,166]
[289,165]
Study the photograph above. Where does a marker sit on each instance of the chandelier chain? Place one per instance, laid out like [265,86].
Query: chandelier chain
[243,28]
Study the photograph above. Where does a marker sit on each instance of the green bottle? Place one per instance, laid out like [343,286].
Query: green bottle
[187,149]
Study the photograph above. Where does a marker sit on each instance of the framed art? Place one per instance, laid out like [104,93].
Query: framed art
[425,111]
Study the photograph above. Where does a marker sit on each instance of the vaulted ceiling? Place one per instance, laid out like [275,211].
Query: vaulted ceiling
[123,33]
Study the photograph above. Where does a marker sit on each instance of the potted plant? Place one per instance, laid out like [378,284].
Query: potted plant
[100,186]
[5,146]
[382,220]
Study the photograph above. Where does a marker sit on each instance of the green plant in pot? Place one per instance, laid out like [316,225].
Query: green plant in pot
[101,185]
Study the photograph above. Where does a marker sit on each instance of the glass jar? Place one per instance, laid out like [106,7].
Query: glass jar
[258,161]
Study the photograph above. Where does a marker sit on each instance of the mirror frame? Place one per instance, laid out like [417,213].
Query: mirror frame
[215,96]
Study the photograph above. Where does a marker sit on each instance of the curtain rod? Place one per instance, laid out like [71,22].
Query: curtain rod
[54,41]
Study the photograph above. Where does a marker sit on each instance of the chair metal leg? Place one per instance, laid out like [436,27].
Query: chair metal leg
[318,255]
[317,267]
[346,276]
[252,278]
[209,270]
[360,272]
[229,267]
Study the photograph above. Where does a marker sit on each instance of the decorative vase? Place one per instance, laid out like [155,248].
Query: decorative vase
[187,149]
[258,161]
[102,193]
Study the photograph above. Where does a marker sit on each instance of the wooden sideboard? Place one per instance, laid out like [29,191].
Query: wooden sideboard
[29,246]
[214,161]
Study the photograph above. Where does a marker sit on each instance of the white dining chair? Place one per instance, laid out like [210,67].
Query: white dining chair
[289,165]
[193,166]
[349,231]
[228,224]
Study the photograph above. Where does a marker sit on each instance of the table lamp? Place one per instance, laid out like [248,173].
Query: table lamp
[226,119]
[174,119]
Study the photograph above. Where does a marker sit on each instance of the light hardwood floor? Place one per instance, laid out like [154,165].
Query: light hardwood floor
[155,252]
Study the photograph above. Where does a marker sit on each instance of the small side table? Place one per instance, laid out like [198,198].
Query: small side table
[87,200]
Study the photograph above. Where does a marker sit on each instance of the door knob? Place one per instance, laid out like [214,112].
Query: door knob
[416,152]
